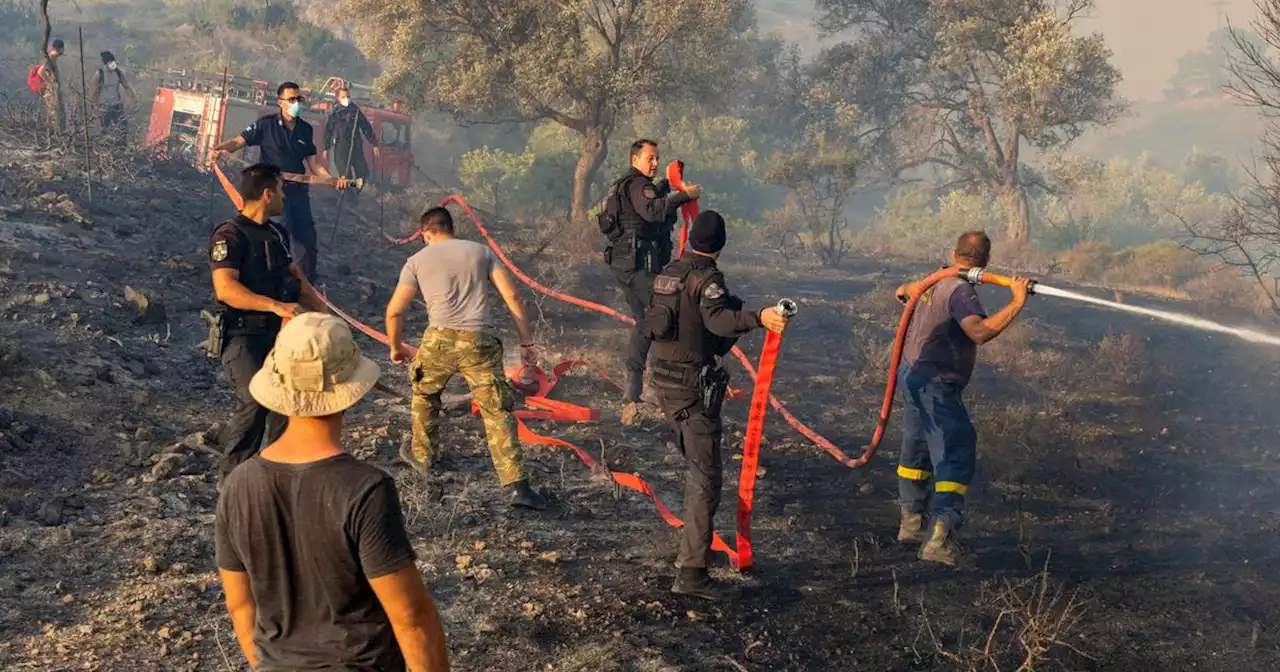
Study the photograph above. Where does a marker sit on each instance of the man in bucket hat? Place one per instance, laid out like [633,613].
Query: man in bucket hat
[310,542]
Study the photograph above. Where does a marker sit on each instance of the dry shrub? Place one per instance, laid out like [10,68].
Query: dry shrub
[1120,361]
[871,351]
[1023,625]
[1225,288]
[1011,351]
[1021,257]
[1086,261]
[1162,264]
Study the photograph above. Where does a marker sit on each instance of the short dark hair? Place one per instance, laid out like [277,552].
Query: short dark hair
[56,44]
[107,57]
[438,220]
[287,85]
[974,247]
[258,178]
[639,145]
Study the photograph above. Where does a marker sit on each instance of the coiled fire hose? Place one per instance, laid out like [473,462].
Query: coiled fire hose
[543,408]
[974,276]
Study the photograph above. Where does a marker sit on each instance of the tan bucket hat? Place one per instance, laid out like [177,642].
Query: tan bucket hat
[315,369]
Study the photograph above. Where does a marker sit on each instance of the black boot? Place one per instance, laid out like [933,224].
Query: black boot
[524,496]
[696,582]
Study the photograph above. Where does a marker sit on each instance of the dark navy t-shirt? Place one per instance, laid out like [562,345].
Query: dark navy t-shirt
[280,146]
[936,344]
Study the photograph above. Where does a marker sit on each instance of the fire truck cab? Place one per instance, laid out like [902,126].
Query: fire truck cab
[190,114]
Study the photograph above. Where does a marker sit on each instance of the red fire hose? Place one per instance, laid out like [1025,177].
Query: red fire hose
[972,275]
[543,408]
[688,211]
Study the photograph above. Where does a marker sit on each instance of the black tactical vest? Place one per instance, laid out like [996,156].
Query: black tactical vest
[674,320]
[265,271]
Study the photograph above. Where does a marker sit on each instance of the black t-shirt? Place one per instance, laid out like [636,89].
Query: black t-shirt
[310,536]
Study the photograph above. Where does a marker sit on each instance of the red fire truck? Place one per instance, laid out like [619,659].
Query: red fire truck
[189,115]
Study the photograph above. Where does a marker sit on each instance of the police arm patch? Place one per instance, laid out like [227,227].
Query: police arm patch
[219,251]
[650,192]
[713,291]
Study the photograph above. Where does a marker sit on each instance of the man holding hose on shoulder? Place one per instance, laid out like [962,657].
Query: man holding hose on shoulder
[939,442]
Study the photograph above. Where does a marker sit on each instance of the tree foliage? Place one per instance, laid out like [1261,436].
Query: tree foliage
[585,65]
[973,81]
[1247,236]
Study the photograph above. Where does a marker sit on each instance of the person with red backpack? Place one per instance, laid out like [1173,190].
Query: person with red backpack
[43,80]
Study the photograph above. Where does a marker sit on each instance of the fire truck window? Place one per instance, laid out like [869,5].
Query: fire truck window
[394,135]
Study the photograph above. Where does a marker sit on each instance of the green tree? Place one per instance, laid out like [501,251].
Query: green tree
[585,66]
[1207,71]
[974,81]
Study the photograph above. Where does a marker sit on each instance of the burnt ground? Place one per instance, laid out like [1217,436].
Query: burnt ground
[1125,511]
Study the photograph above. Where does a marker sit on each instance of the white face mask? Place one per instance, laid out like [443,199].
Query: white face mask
[344,101]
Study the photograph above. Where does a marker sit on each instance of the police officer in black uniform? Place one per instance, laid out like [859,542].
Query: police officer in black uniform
[693,321]
[637,219]
[257,284]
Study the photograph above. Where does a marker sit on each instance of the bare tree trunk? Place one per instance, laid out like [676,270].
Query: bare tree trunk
[1017,212]
[594,151]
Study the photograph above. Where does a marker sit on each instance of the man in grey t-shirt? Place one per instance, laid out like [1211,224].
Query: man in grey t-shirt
[453,276]
[939,443]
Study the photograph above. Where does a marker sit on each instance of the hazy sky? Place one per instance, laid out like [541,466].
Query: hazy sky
[1148,36]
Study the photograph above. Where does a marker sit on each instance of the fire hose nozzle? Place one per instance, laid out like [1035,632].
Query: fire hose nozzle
[787,307]
[979,275]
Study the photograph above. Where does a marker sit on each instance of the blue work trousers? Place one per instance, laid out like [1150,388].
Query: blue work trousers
[301,228]
[939,447]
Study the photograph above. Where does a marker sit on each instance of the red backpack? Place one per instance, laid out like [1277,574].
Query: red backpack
[34,82]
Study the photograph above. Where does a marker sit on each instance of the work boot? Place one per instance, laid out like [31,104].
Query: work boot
[524,496]
[911,529]
[696,582]
[944,546]
[631,413]
[407,456]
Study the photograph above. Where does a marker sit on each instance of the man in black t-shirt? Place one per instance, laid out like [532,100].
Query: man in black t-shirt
[939,443]
[316,564]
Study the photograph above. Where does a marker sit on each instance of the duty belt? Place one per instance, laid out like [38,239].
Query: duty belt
[251,322]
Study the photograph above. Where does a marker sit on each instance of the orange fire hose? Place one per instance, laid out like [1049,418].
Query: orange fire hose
[542,408]
[972,275]
[688,211]
[751,440]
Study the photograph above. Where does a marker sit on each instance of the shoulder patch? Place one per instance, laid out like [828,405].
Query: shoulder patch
[713,291]
[249,128]
[650,191]
[666,284]
[219,251]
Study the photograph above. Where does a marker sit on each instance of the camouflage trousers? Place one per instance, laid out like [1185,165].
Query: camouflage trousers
[478,357]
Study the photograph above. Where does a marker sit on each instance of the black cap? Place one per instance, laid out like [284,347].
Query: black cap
[57,44]
[707,234]
[107,57]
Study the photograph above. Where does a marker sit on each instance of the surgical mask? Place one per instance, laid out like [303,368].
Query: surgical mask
[344,101]
[111,65]
[293,108]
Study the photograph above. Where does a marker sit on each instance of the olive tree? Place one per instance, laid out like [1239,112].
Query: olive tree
[976,81]
[585,65]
